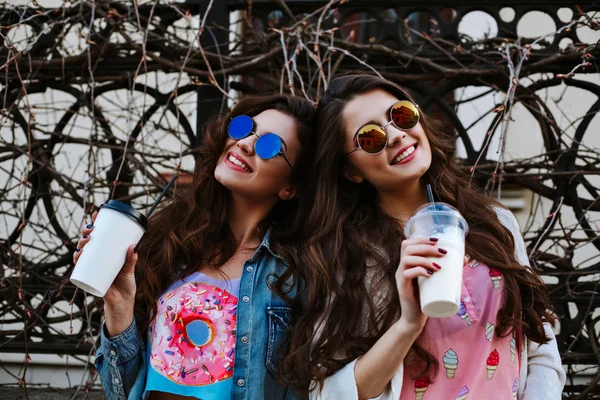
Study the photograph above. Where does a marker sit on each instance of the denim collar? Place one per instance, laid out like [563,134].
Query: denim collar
[266,244]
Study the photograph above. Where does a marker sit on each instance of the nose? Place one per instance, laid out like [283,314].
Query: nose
[395,135]
[246,145]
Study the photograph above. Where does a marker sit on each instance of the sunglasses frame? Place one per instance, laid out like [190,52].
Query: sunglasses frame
[391,121]
[253,132]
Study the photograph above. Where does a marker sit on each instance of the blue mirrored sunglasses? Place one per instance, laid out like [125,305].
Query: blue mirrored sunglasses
[266,146]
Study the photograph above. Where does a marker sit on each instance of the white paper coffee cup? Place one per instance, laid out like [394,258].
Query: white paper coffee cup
[440,293]
[117,227]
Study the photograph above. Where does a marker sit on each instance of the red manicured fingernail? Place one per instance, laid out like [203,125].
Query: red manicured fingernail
[430,272]
[443,251]
[438,266]
[433,239]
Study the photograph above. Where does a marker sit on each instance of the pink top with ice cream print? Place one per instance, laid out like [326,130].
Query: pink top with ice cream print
[474,363]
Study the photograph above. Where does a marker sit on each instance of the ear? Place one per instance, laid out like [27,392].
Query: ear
[287,193]
[352,174]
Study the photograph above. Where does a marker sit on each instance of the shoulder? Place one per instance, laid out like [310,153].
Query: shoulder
[507,218]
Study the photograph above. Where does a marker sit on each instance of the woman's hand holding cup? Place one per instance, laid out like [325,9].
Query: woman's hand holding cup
[119,299]
[415,262]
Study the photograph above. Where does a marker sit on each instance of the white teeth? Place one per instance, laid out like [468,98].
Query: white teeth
[239,163]
[404,154]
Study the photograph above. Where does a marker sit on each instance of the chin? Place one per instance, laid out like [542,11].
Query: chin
[225,177]
[423,169]
[234,183]
[396,179]
[415,168]
[235,186]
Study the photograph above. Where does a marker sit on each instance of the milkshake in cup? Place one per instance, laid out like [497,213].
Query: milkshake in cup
[440,293]
[117,227]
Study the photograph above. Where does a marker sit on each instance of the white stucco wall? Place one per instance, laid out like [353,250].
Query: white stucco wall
[523,139]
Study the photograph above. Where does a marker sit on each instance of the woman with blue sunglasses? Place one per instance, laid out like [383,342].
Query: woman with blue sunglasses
[201,308]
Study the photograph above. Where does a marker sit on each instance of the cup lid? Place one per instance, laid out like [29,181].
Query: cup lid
[127,210]
[439,210]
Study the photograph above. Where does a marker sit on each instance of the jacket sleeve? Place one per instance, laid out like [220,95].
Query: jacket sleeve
[118,361]
[545,375]
[342,385]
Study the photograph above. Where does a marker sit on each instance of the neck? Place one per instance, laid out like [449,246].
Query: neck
[402,202]
[244,218]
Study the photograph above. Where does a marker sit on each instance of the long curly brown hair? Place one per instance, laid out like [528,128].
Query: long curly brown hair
[352,251]
[191,231]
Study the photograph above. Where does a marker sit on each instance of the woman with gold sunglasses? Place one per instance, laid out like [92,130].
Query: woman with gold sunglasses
[363,334]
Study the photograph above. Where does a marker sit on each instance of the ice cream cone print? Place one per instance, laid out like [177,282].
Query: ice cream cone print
[513,350]
[421,386]
[450,370]
[492,364]
[496,278]
[514,388]
[462,312]
[491,370]
[489,331]
[450,363]
[463,393]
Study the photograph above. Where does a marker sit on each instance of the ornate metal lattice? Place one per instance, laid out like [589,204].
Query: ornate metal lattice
[101,99]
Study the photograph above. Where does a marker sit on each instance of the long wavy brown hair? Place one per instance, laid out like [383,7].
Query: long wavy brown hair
[352,251]
[191,231]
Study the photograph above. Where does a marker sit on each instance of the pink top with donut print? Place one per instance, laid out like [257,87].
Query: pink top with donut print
[191,342]
[474,363]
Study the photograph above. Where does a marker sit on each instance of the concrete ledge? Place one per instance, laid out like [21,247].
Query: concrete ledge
[15,393]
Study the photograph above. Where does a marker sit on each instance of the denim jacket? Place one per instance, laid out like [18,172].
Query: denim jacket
[263,319]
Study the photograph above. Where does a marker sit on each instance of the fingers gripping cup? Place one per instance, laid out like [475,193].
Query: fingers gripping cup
[440,293]
[117,227]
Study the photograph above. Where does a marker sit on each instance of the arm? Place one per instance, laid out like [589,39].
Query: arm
[120,357]
[342,385]
[119,360]
[545,374]
[370,375]
[375,369]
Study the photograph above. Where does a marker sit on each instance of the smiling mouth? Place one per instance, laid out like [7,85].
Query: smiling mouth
[404,154]
[234,160]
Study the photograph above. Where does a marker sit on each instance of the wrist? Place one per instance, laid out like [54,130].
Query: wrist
[115,327]
[117,319]
[407,330]
[120,308]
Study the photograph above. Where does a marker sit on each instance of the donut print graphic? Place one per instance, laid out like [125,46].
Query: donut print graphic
[193,336]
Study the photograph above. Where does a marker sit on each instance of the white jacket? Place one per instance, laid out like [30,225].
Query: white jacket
[542,379]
